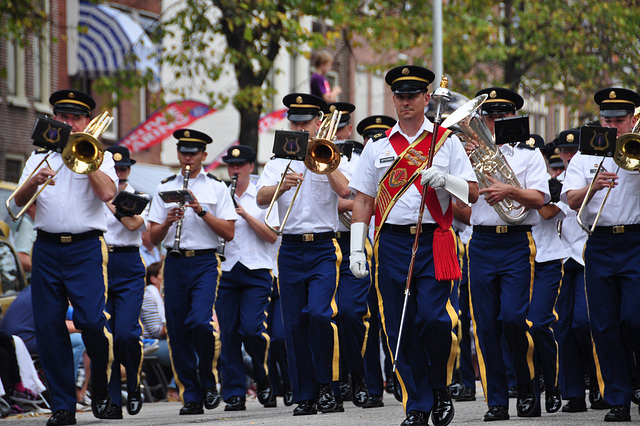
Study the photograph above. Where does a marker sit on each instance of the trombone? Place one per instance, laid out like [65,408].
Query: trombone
[627,157]
[323,157]
[82,154]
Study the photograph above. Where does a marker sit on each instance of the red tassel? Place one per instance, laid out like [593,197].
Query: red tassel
[445,255]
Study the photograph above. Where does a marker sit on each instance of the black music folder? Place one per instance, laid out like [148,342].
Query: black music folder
[290,144]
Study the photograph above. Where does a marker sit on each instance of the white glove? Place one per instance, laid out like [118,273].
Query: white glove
[433,177]
[357,258]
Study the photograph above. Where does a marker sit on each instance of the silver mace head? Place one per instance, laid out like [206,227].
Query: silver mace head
[441,97]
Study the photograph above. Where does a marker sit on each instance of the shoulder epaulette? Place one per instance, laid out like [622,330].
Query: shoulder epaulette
[210,176]
[527,145]
[41,151]
[378,136]
[169,179]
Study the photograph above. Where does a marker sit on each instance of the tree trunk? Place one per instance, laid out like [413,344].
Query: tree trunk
[249,127]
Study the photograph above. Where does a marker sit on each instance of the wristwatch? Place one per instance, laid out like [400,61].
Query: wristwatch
[202,212]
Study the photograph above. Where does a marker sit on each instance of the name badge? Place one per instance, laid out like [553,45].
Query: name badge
[387,159]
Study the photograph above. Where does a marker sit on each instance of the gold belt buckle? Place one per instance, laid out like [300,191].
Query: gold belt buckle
[338,234]
[66,238]
[189,253]
[618,229]
[307,238]
[502,229]
[413,230]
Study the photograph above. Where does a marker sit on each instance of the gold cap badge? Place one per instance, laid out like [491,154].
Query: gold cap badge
[531,142]
[117,156]
[493,94]
[187,134]
[299,100]
[405,71]
[235,152]
[570,137]
[72,95]
[612,94]
[378,120]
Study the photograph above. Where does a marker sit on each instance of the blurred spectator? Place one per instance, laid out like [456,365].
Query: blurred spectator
[149,252]
[322,62]
[16,394]
[23,237]
[19,320]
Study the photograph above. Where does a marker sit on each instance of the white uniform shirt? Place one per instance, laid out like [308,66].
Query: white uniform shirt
[314,210]
[545,235]
[118,234]
[70,205]
[377,156]
[531,171]
[212,194]
[623,204]
[247,247]
[573,236]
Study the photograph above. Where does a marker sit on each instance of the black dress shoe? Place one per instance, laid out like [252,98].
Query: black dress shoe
[191,407]
[288,397]
[360,393]
[552,400]
[113,413]
[397,390]
[272,403]
[374,401]
[211,398]
[455,389]
[618,413]
[134,402]
[265,391]
[467,394]
[305,408]
[326,400]
[100,401]
[415,418]
[235,403]
[635,394]
[575,405]
[346,391]
[442,412]
[597,402]
[528,404]
[496,412]
[389,385]
[62,417]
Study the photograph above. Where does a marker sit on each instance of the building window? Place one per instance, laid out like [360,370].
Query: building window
[13,168]
[41,63]
[15,72]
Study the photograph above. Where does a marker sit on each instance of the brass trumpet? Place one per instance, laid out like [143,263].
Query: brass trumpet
[83,154]
[323,157]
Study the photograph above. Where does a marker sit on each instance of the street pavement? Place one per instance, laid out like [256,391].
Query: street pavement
[166,413]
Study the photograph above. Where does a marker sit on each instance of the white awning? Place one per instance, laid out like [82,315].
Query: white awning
[110,40]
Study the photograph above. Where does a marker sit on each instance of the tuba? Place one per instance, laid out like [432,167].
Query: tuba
[487,159]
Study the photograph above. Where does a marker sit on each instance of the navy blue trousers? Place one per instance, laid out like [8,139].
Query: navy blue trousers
[241,307]
[278,366]
[124,300]
[190,287]
[308,283]
[500,285]
[353,313]
[542,314]
[572,331]
[372,365]
[612,275]
[428,346]
[75,273]
[465,360]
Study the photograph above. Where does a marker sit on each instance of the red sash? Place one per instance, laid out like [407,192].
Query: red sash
[399,177]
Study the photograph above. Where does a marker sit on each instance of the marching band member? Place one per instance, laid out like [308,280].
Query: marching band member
[308,264]
[368,128]
[245,287]
[69,264]
[126,272]
[501,262]
[611,252]
[191,274]
[395,160]
[353,311]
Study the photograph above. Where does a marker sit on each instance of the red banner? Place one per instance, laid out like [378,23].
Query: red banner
[163,122]
[265,123]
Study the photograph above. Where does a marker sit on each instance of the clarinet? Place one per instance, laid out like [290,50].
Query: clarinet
[175,250]
[234,182]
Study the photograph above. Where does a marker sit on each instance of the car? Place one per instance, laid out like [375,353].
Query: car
[12,277]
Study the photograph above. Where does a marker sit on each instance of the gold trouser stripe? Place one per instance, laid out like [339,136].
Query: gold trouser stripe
[216,334]
[596,360]
[376,246]
[532,263]
[173,366]
[139,373]
[365,318]
[105,276]
[453,350]
[265,334]
[555,314]
[335,364]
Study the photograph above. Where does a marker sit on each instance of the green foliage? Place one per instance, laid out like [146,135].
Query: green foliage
[21,18]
